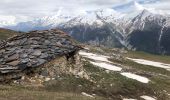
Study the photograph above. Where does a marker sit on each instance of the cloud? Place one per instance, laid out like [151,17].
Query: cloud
[44,6]
[30,9]
[138,6]
[7,20]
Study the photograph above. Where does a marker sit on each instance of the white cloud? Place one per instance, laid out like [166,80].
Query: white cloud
[24,10]
[44,6]
[28,9]
[138,6]
[7,20]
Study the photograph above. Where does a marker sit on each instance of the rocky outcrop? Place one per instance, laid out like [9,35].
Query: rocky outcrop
[24,53]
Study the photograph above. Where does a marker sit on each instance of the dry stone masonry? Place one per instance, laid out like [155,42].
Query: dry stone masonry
[32,50]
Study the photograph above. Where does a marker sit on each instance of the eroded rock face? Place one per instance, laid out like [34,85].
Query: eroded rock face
[33,49]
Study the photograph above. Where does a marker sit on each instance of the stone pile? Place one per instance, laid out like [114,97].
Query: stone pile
[33,49]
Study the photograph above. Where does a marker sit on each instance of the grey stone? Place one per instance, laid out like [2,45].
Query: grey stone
[2,50]
[22,41]
[35,46]
[25,60]
[14,63]
[11,43]
[24,55]
[41,61]
[8,68]
[31,57]
[44,55]
[47,42]
[29,64]
[12,57]
[19,50]
[58,43]
[37,53]
[11,49]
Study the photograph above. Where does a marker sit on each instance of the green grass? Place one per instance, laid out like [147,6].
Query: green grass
[143,68]
[68,83]
[160,78]
[107,85]
[115,85]
[148,56]
[20,93]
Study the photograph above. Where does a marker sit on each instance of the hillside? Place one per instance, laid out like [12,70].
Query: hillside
[112,74]
[6,33]
[85,50]
[50,64]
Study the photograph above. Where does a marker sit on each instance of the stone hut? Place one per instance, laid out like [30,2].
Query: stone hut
[46,53]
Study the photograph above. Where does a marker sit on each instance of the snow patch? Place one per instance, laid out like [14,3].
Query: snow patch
[135,77]
[151,63]
[147,97]
[129,99]
[95,56]
[88,95]
[106,66]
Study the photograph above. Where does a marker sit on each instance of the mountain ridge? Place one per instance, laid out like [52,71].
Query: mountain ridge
[105,28]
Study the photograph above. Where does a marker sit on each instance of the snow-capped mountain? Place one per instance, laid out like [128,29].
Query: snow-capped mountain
[94,27]
[88,17]
[147,31]
[46,22]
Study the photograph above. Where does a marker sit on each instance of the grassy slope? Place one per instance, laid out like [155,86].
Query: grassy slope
[21,93]
[110,85]
[147,56]
[160,78]
[107,85]
[6,33]
[115,86]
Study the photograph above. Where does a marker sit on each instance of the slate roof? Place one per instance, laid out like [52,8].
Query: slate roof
[34,49]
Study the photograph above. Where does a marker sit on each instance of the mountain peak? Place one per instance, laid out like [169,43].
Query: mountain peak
[145,13]
[148,14]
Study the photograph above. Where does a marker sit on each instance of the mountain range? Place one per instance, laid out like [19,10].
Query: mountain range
[144,31]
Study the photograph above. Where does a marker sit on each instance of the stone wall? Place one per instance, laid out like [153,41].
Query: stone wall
[54,69]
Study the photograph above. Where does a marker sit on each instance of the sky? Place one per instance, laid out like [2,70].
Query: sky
[23,10]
